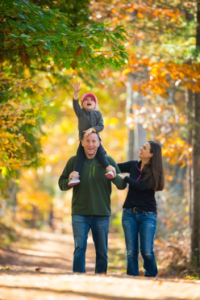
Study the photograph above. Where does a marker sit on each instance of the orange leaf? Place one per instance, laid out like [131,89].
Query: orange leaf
[135,87]
[140,15]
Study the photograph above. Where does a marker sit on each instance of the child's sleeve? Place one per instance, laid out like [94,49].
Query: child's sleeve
[99,125]
[77,108]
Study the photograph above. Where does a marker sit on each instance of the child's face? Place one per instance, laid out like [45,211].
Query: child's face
[89,103]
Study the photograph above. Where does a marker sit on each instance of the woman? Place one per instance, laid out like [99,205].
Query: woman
[139,218]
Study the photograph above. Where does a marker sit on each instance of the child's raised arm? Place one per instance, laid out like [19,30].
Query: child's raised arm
[76,87]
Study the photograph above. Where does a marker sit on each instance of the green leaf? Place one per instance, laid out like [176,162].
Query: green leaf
[13,35]
[25,36]
[21,15]
[81,44]
[31,28]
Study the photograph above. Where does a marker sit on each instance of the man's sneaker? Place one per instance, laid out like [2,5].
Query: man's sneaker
[110,175]
[74,181]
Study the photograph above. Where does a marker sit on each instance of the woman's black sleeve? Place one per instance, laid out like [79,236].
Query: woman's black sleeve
[138,185]
[125,167]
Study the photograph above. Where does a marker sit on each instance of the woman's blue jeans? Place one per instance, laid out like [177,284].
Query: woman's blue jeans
[99,226]
[140,227]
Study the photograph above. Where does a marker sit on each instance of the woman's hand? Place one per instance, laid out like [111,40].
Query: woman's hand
[122,175]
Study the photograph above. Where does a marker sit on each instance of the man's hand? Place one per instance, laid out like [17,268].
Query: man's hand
[87,132]
[76,87]
[73,174]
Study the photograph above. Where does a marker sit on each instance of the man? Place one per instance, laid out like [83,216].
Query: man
[90,204]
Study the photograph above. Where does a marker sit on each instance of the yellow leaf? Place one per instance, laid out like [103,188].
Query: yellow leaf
[114,121]
[126,71]
[4,171]
[181,120]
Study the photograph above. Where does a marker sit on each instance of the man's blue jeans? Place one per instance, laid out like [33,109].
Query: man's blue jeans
[99,226]
[140,227]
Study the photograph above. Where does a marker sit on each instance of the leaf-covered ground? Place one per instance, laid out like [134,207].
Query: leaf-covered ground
[41,270]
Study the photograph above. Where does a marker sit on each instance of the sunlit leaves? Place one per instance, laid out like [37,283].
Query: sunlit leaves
[37,48]
[16,150]
[161,76]
[31,32]
[170,129]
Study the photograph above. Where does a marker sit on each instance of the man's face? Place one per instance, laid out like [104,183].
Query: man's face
[90,145]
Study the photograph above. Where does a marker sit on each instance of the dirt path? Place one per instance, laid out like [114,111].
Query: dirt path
[42,271]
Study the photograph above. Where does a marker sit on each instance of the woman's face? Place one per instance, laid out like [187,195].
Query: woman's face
[145,151]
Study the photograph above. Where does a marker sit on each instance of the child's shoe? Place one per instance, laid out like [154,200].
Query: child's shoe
[73,181]
[110,175]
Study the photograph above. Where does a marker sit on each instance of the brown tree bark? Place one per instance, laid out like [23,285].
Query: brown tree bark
[195,238]
[190,175]
[136,136]
[129,110]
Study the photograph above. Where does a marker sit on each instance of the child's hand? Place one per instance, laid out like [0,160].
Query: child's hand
[76,87]
[87,132]
[111,168]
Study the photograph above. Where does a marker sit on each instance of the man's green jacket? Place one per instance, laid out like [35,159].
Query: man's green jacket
[92,195]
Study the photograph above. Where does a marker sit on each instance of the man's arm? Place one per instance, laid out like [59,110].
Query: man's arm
[64,178]
[118,181]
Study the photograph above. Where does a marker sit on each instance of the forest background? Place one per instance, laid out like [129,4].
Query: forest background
[141,60]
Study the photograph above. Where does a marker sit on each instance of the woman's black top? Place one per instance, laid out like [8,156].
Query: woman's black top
[139,195]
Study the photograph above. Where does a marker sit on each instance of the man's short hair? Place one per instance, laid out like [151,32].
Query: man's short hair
[91,133]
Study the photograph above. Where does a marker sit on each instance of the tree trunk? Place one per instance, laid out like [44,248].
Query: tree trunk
[195,242]
[190,175]
[137,136]
[129,110]
[34,217]
[139,132]
[177,185]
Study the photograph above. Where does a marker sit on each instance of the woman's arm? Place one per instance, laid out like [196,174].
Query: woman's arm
[125,167]
[138,185]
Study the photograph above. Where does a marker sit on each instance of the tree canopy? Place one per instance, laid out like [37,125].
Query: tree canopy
[37,47]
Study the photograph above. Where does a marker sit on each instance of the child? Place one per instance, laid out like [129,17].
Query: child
[89,120]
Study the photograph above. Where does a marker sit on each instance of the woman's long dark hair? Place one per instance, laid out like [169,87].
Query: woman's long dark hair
[154,169]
